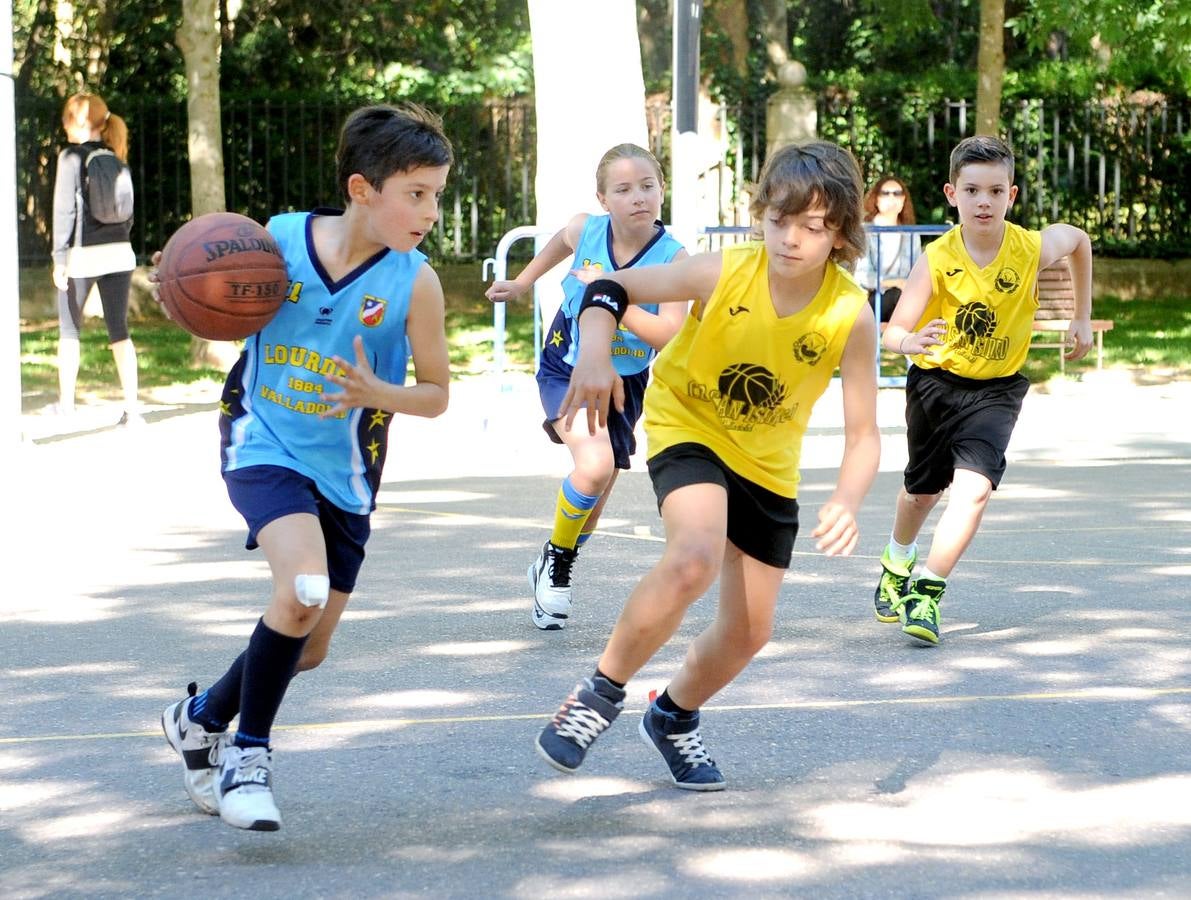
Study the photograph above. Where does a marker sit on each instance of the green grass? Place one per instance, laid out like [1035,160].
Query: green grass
[163,353]
[470,337]
[1152,338]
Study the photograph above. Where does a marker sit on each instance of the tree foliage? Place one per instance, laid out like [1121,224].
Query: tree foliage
[432,51]
[1084,46]
[877,66]
[1136,44]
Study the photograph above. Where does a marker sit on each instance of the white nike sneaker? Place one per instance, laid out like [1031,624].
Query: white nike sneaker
[246,789]
[550,580]
[200,751]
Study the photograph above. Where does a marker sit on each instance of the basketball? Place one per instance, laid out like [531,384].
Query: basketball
[222,277]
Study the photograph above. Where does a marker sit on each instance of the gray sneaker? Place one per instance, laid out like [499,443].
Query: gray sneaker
[681,746]
[583,716]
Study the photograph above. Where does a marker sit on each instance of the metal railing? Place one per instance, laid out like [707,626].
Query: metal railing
[720,235]
[499,265]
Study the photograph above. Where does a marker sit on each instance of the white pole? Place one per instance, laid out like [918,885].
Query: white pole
[589,93]
[10,347]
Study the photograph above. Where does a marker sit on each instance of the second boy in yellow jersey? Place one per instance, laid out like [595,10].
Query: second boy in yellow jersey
[964,319]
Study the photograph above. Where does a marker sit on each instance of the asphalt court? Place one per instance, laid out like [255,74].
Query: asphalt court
[1040,750]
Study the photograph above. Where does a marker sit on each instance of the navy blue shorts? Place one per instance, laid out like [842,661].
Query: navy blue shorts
[264,493]
[554,377]
[761,524]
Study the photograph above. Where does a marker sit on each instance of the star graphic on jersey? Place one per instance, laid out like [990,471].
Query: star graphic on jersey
[225,408]
[556,338]
[378,419]
[374,449]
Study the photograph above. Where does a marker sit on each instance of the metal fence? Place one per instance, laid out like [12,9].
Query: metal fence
[1118,170]
[279,155]
[1115,169]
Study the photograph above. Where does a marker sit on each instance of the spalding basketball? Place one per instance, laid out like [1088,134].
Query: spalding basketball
[222,277]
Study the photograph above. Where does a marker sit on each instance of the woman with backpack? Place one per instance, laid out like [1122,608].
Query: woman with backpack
[92,224]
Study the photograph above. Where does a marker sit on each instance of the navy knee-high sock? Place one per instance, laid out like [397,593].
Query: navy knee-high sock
[218,704]
[269,664]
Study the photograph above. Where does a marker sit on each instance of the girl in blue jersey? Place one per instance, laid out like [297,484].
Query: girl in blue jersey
[304,424]
[630,188]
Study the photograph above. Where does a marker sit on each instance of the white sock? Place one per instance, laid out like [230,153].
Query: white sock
[902,553]
[927,573]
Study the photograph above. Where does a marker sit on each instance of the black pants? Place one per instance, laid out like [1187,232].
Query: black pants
[113,293]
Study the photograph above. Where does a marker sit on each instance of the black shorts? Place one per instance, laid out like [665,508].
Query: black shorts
[262,494]
[954,422]
[761,524]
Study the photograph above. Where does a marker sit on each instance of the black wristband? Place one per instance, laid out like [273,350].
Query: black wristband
[605,294]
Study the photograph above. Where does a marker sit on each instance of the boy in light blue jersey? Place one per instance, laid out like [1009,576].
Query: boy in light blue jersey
[304,424]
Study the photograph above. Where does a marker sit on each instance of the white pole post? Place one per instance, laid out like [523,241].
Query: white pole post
[10,349]
[589,94]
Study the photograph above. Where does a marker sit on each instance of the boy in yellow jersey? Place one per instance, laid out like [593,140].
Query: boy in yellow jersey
[964,319]
[725,413]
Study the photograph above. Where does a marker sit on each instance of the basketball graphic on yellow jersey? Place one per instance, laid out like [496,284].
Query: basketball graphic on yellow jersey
[752,386]
[975,320]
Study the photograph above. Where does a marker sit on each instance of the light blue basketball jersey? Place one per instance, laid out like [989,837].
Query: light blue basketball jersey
[630,354]
[269,414]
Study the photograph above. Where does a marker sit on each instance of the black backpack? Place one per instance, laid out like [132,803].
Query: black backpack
[107,187]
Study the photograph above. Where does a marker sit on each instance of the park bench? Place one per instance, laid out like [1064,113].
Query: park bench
[1056,306]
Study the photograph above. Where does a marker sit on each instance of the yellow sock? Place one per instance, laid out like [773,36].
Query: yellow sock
[570,515]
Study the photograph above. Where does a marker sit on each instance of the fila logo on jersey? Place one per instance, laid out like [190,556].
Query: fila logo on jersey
[372,310]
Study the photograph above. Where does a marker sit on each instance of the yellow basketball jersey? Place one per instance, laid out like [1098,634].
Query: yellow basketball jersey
[740,380]
[988,310]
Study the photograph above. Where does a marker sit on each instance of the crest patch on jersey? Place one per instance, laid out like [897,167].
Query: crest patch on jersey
[1007,280]
[810,347]
[372,310]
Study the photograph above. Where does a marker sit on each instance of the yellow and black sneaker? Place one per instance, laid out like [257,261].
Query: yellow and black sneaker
[895,581]
[919,609]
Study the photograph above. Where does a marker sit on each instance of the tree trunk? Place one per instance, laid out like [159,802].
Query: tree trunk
[730,18]
[198,37]
[990,67]
[774,28]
